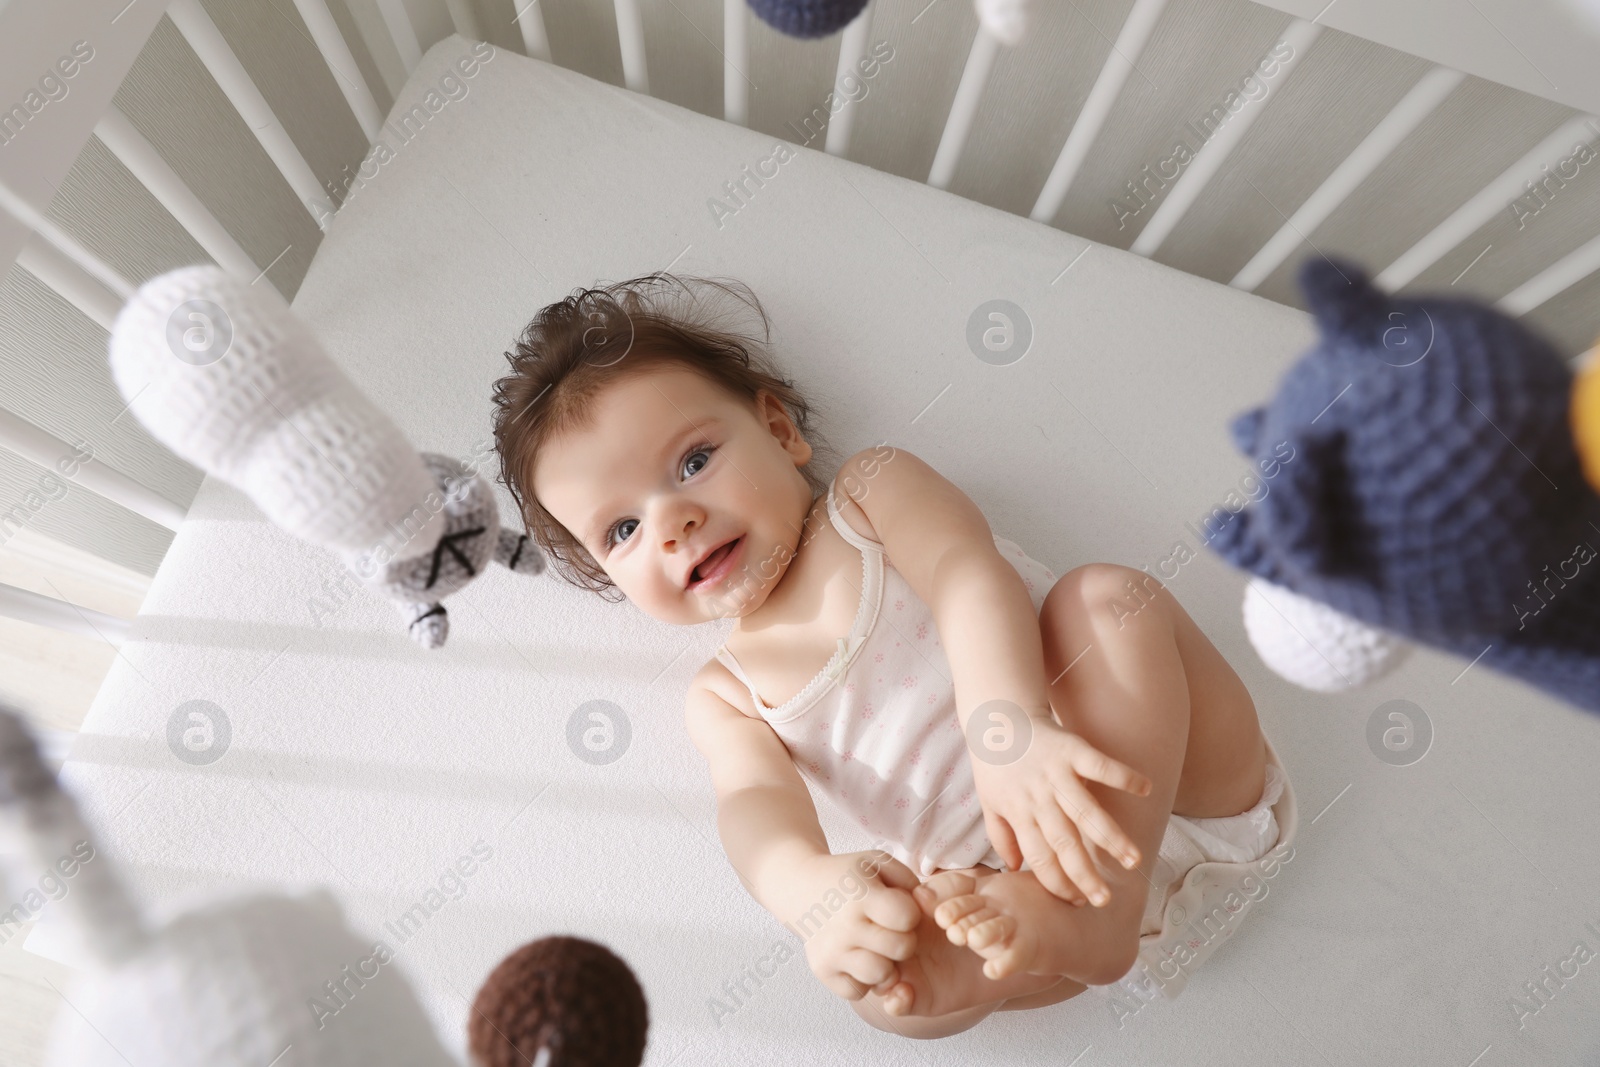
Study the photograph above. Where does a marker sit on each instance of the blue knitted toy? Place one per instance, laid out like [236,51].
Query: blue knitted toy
[807,18]
[1005,20]
[1434,489]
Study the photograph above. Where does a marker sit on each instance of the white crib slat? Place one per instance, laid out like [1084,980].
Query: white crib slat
[958,124]
[403,31]
[208,43]
[630,36]
[464,19]
[69,281]
[28,606]
[1119,64]
[1493,198]
[141,157]
[530,20]
[69,245]
[342,63]
[1209,159]
[852,47]
[1424,97]
[47,450]
[735,62]
[1560,275]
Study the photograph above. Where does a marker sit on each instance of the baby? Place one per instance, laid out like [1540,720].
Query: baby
[950,694]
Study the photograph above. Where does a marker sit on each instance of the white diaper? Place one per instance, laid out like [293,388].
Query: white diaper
[1213,871]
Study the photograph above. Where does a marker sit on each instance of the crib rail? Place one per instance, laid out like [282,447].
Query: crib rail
[34,35]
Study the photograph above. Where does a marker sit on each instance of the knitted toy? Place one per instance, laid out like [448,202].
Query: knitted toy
[1311,644]
[226,984]
[807,18]
[1004,20]
[226,376]
[563,1000]
[1586,419]
[241,979]
[1427,487]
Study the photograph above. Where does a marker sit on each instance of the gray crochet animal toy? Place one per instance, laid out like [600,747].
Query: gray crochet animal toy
[472,539]
[226,376]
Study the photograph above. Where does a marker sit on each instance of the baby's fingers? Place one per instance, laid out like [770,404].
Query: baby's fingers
[1066,869]
[1093,822]
[891,944]
[1003,840]
[843,986]
[1096,766]
[868,968]
[892,909]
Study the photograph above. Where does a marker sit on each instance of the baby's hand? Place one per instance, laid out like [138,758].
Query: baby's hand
[854,949]
[1039,804]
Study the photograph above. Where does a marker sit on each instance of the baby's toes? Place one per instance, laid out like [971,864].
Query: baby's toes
[946,885]
[960,916]
[1005,957]
[990,934]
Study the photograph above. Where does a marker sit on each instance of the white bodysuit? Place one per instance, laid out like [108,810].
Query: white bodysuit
[876,730]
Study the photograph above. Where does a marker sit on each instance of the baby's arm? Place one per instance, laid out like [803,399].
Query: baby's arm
[854,911]
[1035,807]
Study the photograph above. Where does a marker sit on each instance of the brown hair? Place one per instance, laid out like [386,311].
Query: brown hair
[577,347]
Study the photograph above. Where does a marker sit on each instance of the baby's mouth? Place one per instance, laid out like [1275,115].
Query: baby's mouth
[716,565]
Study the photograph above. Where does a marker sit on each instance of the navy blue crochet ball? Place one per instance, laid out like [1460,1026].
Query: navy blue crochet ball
[1434,488]
[807,18]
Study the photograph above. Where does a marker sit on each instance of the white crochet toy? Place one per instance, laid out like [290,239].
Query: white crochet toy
[1005,20]
[1311,644]
[225,375]
[268,980]
[229,984]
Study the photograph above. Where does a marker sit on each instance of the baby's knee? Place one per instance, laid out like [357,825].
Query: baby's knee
[1104,593]
[919,1027]
[1096,581]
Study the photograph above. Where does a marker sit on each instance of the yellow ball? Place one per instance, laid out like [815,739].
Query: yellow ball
[1586,419]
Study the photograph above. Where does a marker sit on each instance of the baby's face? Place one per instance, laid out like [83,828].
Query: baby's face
[670,469]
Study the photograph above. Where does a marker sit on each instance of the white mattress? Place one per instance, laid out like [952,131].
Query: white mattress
[1419,900]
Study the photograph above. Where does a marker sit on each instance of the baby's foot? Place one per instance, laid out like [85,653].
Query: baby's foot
[1004,917]
[941,978]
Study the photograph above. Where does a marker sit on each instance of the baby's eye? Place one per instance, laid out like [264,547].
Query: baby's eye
[704,450]
[617,526]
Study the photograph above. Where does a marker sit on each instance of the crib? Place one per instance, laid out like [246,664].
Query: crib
[418,177]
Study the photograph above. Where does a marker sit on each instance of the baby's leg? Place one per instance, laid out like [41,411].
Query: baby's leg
[1132,686]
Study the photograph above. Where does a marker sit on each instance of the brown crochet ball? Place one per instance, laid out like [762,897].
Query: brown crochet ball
[566,994]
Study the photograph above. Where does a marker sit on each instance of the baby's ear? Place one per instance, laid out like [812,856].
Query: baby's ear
[518,552]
